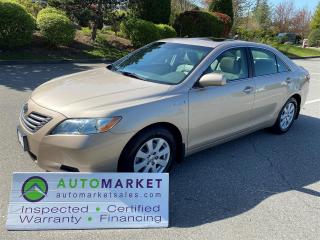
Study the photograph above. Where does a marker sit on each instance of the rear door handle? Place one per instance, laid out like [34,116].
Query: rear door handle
[248,89]
[288,80]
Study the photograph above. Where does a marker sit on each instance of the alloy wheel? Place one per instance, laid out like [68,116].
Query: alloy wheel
[153,156]
[287,115]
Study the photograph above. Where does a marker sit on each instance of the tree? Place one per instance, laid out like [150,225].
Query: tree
[283,15]
[151,10]
[222,6]
[289,19]
[301,22]
[315,22]
[96,9]
[262,14]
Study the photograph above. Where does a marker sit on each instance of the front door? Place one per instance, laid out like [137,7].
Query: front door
[220,111]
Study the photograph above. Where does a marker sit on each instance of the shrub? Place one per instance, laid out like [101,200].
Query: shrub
[142,32]
[49,10]
[226,21]
[222,6]
[198,24]
[32,7]
[314,38]
[166,31]
[139,31]
[156,11]
[16,25]
[55,26]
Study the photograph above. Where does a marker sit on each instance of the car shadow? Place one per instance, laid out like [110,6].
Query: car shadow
[230,179]
[28,77]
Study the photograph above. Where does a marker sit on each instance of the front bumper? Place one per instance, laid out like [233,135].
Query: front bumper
[90,153]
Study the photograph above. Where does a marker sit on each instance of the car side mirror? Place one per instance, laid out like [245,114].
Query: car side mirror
[212,79]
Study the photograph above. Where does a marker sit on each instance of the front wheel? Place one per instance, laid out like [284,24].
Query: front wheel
[151,151]
[286,117]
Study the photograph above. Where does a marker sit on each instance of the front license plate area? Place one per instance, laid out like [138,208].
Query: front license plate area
[22,138]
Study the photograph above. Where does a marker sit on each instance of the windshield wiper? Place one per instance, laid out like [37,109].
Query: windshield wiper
[130,74]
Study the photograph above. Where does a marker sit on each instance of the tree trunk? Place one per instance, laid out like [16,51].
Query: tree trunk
[97,20]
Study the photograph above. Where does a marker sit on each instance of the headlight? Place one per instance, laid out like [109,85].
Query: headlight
[85,126]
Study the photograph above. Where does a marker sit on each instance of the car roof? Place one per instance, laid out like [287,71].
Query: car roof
[205,42]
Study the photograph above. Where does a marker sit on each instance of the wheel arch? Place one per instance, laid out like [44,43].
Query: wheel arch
[297,97]
[170,127]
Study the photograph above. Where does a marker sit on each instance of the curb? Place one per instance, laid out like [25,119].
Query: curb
[60,61]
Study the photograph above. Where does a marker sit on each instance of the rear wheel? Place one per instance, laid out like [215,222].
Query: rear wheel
[151,151]
[286,117]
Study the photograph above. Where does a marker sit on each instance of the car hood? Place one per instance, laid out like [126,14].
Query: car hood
[95,93]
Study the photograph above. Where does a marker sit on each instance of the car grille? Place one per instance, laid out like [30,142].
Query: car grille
[34,121]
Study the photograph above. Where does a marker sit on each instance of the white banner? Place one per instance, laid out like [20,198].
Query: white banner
[88,201]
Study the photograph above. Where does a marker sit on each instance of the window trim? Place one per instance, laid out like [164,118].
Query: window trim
[276,58]
[288,68]
[252,59]
[245,48]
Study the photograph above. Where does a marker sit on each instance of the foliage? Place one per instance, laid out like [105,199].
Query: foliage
[50,10]
[32,7]
[87,12]
[115,18]
[314,38]
[55,26]
[226,21]
[258,35]
[142,32]
[151,10]
[166,31]
[179,6]
[198,24]
[222,6]
[289,19]
[315,22]
[262,14]
[139,31]
[16,25]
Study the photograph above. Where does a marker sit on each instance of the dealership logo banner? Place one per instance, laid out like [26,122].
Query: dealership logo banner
[88,201]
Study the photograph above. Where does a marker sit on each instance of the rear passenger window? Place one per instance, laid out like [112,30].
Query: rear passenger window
[282,67]
[264,62]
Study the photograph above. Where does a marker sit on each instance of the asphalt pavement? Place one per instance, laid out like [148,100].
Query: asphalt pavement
[261,186]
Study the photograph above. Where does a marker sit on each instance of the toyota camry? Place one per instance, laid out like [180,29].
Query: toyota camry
[160,103]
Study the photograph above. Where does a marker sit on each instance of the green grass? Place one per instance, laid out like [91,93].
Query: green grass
[293,51]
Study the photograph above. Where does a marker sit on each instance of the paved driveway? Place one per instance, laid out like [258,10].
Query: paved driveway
[261,186]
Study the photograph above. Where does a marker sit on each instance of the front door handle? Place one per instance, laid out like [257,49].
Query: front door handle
[248,89]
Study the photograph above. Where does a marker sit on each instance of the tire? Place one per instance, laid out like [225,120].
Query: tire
[282,126]
[137,154]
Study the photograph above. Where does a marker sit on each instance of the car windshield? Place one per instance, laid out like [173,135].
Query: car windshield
[168,63]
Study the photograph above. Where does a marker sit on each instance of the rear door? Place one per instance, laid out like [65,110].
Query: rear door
[271,76]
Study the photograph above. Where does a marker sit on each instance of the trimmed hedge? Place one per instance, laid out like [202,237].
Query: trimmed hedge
[314,38]
[222,6]
[142,32]
[49,10]
[156,11]
[16,25]
[56,27]
[166,31]
[198,24]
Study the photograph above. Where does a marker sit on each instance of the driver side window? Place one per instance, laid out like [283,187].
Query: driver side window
[232,64]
